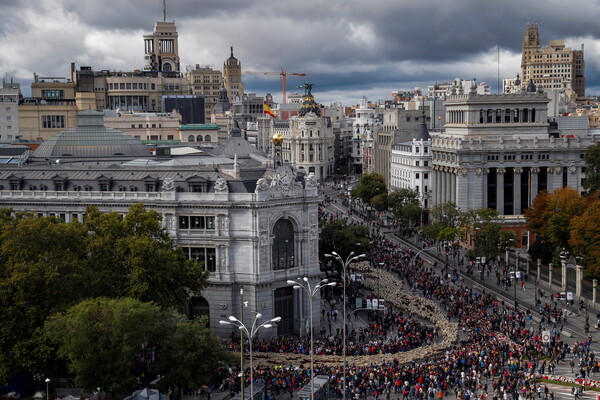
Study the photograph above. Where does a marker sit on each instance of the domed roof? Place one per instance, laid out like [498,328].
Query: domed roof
[531,87]
[91,139]
[309,104]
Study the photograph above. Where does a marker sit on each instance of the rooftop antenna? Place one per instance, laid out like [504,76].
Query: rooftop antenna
[498,47]
[164,10]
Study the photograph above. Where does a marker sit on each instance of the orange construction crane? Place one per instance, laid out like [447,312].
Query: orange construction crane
[283,74]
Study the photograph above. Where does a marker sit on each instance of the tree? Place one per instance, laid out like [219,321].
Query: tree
[100,338]
[592,168]
[135,257]
[191,357]
[551,215]
[42,272]
[446,220]
[342,238]
[48,266]
[405,205]
[585,237]
[369,186]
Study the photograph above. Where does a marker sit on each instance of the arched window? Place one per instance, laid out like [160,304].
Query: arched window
[481,115]
[207,138]
[198,308]
[199,138]
[167,67]
[525,115]
[283,245]
[533,115]
[191,138]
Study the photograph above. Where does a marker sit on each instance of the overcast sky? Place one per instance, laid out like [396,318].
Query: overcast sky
[347,48]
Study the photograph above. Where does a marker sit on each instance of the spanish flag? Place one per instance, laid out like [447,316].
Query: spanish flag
[267,110]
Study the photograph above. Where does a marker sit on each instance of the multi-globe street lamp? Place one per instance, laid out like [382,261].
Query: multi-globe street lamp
[250,333]
[312,293]
[345,263]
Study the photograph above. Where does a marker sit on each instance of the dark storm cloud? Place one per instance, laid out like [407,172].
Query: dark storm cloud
[364,44]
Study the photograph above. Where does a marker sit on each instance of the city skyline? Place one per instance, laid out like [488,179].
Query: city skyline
[349,49]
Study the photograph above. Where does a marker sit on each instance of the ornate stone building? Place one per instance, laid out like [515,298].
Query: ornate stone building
[232,76]
[252,224]
[496,152]
[552,67]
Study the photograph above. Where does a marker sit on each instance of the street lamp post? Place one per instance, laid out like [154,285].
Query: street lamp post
[312,293]
[250,333]
[47,388]
[345,263]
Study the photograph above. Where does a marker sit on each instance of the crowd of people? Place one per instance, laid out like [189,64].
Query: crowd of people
[498,357]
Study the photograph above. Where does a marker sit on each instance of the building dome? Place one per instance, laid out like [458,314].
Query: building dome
[531,87]
[309,104]
[91,139]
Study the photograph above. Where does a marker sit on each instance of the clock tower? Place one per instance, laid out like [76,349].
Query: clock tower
[531,47]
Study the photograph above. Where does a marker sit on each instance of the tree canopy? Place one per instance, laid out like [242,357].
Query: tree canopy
[405,205]
[592,168]
[104,340]
[343,238]
[551,217]
[370,186]
[48,266]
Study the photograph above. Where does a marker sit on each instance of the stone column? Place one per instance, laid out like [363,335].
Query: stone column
[539,269]
[453,186]
[447,197]
[517,190]
[563,264]
[594,287]
[579,277]
[500,190]
[550,275]
[533,189]
[434,185]
[484,183]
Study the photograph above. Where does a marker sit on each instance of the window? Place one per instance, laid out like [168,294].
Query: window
[205,255]
[283,245]
[53,94]
[53,121]
[196,222]
[425,176]
[417,175]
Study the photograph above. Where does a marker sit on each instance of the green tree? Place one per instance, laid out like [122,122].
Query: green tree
[446,221]
[405,205]
[42,272]
[191,357]
[135,257]
[100,338]
[369,186]
[48,266]
[592,168]
[342,238]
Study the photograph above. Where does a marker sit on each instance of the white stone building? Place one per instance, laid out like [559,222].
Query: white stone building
[496,152]
[10,93]
[410,166]
[253,225]
[363,127]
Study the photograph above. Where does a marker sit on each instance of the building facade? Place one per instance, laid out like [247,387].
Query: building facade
[206,82]
[496,152]
[10,95]
[551,67]
[410,166]
[232,76]
[161,48]
[251,224]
